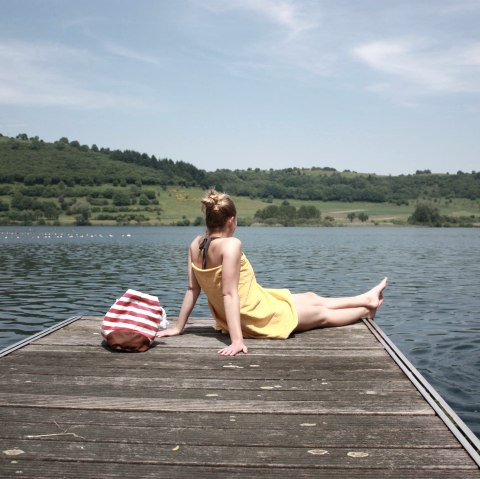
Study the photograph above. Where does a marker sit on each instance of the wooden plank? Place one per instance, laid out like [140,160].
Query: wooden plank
[373,434]
[240,456]
[208,365]
[36,469]
[241,429]
[227,372]
[360,399]
[371,385]
[160,358]
[207,420]
[371,405]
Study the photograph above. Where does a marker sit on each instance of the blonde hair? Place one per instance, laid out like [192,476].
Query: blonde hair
[218,207]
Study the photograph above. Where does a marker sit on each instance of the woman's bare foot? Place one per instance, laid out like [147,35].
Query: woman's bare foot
[374,297]
[373,311]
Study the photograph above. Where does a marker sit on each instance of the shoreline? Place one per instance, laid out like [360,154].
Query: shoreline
[252,225]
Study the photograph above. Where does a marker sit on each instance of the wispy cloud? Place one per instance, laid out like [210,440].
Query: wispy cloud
[130,54]
[284,37]
[421,67]
[49,74]
[288,14]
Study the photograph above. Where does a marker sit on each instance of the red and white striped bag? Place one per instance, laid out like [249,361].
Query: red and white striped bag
[133,321]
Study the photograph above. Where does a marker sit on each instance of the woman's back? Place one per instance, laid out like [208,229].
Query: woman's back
[209,251]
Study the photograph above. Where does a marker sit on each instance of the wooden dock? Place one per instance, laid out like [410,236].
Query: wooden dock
[328,403]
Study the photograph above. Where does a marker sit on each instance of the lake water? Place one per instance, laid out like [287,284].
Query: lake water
[431,309]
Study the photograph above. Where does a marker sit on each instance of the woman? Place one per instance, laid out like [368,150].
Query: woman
[239,304]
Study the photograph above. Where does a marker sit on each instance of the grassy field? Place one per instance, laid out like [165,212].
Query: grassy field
[183,205]
[180,203]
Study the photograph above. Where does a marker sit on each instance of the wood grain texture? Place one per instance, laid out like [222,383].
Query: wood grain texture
[327,403]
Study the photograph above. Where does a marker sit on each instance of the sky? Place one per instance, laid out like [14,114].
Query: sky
[373,86]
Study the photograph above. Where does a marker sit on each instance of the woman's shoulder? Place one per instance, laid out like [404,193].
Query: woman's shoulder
[233,240]
[230,249]
[231,243]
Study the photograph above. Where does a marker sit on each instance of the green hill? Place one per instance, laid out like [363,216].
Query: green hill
[68,183]
[34,161]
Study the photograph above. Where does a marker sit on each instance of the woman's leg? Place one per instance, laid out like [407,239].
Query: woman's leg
[369,299]
[317,312]
[312,317]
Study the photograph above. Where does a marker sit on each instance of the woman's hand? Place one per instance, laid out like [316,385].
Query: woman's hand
[173,331]
[234,349]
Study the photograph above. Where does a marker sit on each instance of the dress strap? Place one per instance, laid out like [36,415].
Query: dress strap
[204,245]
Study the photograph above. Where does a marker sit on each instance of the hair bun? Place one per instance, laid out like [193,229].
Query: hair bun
[211,199]
[218,208]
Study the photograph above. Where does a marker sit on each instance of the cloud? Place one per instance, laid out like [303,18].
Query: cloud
[423,68]
[287,14]
[49,74]
[283,39]
[129,54]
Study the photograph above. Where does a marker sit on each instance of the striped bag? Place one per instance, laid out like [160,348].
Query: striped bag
[132,322]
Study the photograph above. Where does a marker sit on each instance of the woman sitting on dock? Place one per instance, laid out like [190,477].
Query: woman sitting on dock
[239,305]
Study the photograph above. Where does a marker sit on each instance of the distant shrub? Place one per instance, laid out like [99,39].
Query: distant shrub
[121,198]
[425,214]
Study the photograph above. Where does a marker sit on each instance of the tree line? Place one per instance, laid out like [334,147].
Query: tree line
[288,215]
[32,161]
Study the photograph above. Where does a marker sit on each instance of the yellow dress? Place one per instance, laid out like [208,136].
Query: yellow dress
[264,313]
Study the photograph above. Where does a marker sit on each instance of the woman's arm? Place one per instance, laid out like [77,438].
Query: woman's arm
[231,254]
[189,301]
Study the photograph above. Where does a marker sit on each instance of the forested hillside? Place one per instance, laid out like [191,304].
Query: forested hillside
[323,184]
[33,162]
[68,183]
